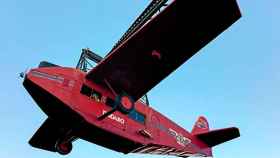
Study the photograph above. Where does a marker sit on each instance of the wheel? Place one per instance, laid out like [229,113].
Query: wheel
[63,148]
[125,103]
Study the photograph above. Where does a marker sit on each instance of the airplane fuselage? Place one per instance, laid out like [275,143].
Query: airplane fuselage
[67,97]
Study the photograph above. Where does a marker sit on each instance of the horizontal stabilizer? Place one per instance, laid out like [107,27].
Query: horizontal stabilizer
[217,137]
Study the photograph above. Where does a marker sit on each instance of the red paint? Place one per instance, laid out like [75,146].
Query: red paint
[160,136]
[126,102]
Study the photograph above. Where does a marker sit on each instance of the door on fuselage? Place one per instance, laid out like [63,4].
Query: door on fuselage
[136,122]
[147,129]
[155,123]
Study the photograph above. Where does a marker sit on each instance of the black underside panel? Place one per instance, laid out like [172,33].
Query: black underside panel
[46,136]
[108,140]
[61,118]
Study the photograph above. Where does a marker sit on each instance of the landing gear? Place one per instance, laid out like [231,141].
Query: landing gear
[63,148]
[64,145]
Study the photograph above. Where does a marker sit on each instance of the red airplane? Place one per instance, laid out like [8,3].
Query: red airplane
[106,106]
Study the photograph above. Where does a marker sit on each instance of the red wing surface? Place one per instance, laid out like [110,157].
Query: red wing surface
[164,43]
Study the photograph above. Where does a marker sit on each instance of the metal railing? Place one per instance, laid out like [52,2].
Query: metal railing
[151,10]
[86,59]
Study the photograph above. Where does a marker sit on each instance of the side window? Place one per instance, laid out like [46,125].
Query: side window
[132,115]
[140,118]
[86,90]
[136,116]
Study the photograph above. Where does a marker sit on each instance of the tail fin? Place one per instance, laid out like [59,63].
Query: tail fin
[201,126]
[215,137]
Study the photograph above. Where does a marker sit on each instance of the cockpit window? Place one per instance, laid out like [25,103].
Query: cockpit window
[95,96]
[86,90]
[92,94]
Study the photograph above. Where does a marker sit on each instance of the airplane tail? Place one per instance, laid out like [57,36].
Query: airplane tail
[201,126]
[214,137]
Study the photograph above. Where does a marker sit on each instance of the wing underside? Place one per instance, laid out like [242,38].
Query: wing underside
[164,43]
[47,136]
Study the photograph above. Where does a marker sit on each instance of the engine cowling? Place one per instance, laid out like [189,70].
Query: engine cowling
[124,103]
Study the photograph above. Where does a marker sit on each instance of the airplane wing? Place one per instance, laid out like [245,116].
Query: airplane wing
[163,44]
[46,136]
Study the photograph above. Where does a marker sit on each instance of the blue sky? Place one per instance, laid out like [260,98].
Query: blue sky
[234,81]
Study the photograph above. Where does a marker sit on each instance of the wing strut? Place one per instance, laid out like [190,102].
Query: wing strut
[110,87]
[87,56]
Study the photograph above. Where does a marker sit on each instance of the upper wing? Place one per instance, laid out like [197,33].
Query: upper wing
[164,43]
